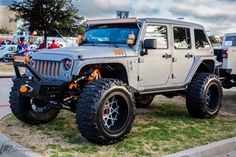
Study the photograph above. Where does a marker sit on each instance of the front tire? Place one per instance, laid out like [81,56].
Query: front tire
[105,111]
[204,96]
[29,110]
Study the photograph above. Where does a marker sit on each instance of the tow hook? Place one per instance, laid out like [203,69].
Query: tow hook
[26,88]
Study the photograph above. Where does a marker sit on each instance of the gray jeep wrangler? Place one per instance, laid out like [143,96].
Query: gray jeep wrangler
[120,64]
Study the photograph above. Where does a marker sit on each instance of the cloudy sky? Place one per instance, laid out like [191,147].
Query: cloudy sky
[218,16]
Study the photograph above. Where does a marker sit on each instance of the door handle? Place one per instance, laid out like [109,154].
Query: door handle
[166,56]
[188,55]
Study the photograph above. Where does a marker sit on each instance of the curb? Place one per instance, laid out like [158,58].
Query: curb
[9,148]
[6,76]
[216,149]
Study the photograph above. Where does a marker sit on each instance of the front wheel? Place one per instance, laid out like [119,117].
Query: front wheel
[31,111]
[105,111]
[204,96]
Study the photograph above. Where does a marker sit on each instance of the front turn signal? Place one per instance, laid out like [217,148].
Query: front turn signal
[21,59]
[23,89]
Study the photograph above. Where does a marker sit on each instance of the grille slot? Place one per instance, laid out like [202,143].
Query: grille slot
[49,69]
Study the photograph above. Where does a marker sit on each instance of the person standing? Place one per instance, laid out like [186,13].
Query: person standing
[53,45]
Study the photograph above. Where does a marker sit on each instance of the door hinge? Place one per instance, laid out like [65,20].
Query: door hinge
[173,76]
[140,78]
[140,60]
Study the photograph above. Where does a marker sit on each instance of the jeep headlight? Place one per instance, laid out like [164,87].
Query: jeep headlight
[67,64]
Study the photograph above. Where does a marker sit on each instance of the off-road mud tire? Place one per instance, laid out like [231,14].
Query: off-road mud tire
[198,102]
[22,109]
[90,106]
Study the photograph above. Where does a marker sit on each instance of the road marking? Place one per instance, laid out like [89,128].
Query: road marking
[4,105]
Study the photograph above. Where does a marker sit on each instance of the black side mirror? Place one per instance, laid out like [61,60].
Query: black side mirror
[150,44]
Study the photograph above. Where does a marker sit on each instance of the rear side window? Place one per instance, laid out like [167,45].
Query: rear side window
[230,41]
[201,41]
[159,33]
[182,38]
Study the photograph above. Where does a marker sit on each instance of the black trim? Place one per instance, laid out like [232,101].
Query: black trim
[42,88]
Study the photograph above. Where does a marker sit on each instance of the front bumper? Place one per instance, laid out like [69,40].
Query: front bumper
[41,88]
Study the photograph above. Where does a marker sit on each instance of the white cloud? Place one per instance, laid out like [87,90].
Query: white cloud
[217,16]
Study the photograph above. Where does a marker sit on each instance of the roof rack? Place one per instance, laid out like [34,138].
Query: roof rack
[112,21]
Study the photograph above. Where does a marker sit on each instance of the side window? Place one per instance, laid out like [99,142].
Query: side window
[10,49]
[182,38]
[159,33]
[200,39]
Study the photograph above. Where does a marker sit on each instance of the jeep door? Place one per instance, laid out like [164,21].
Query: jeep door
[182,53]
[155,67]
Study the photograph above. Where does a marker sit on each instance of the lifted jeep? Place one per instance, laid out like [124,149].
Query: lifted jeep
[120,64]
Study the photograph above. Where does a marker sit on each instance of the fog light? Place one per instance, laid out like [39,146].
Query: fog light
[23,89]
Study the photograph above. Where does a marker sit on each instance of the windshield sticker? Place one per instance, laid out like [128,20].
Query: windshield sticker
[118,51]
[228,43]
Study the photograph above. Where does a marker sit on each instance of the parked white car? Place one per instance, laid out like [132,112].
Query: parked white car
[7,49]
[228,69]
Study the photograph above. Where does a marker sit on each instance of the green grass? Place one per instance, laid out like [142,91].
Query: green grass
[164,128]
[6,68]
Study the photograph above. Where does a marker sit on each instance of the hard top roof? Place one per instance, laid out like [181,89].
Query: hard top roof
[230,34]
[169,21]
[149,20]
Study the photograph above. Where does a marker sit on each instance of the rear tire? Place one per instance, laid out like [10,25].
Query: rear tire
[143,101]
[105,111]
[29,110]
[204,96]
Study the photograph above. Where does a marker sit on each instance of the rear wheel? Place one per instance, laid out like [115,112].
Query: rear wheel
[105,111]
[204,96]
[143,101]
[30,110]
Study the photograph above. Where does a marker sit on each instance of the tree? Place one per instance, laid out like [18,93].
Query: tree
[48,15]
[213,39]
[5,30]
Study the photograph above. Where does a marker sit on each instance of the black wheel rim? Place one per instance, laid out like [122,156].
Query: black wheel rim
[212,97]
[115,113]
[40,106]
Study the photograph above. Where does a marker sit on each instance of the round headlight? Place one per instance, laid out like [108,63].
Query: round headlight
[67,64]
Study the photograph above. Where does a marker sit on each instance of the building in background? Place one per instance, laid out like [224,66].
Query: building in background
[5,15]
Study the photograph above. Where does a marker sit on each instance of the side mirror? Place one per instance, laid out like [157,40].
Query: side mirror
[80,39]
[150,44]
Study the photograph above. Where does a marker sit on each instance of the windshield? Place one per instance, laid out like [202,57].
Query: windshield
[230,41]
[110,33]
[2,48]
[37,42]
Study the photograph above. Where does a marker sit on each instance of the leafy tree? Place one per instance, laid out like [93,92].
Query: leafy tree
[48,15]
[213,39]
[5,30]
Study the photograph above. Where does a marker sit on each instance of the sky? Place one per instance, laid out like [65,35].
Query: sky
[217,16]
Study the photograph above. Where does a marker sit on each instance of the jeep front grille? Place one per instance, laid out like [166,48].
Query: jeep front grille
[50,69]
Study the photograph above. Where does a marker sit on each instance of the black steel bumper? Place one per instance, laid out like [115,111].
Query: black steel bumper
[41,88]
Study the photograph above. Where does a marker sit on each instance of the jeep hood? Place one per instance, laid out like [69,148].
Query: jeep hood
[86,52]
